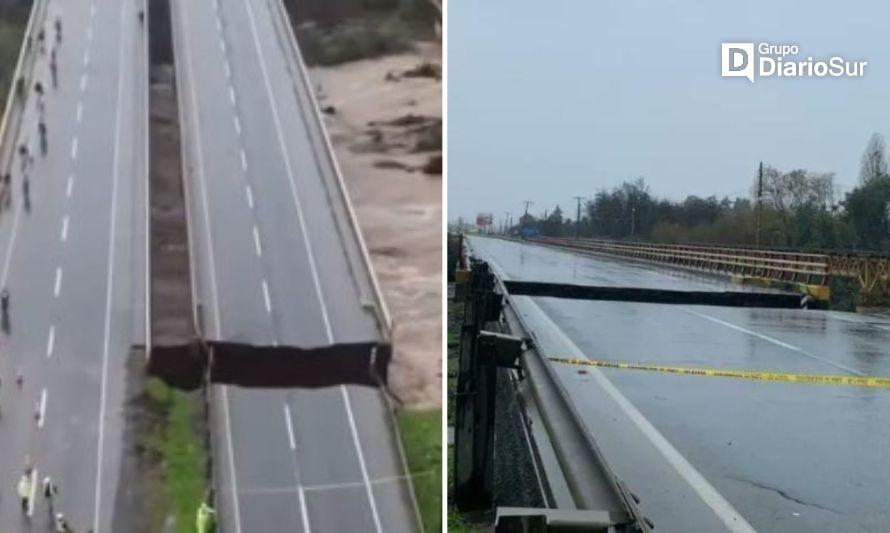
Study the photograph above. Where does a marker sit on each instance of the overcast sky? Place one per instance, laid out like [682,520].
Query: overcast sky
[549,100]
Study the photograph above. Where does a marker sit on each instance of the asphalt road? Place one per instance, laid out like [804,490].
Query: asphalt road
[719,454]
[71,265]
[274,269]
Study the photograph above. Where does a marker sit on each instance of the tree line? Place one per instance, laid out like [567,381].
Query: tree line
[797,208]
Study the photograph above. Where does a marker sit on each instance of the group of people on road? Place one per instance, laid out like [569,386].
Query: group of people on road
[25,488]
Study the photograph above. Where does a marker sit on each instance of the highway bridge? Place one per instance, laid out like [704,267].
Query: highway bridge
[703,426]
[275,265]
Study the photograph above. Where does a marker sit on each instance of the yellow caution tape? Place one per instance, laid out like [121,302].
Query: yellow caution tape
[818,379]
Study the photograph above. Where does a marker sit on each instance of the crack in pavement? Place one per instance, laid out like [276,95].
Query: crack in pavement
[784,494]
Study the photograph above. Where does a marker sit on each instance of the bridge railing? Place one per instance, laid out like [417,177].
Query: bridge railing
[807,268]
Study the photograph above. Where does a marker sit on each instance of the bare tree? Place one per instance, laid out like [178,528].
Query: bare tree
[874,160]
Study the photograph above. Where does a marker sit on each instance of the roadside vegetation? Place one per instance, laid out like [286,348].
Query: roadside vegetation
[797,209]
[173,442]
[13,19]
[421,432]
[334,32]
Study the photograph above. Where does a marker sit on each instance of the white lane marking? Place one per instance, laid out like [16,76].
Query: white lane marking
[256,242]
[42,412]
[249,195]
[361,458]
[228,69]
[109,287]
[33,495]
[90,34]
[86,58]
[243,160]
[777,342]
[218,22]
[50,341]
[83,82]
[237,124]
[266,298]
[222,45]
[233,474]
[290,428]
[64,235]
[290,174]
[232,94]
[303,511]
[69,186]
[708,494]
[92,9]
[11,244]
[58,285]
[74,148]
[79,112]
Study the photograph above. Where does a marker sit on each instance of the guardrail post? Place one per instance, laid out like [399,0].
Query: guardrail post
[474,402]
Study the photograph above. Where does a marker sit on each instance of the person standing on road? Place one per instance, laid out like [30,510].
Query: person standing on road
[49,492]
[24,489]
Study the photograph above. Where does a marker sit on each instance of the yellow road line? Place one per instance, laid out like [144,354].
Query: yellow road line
[817,379]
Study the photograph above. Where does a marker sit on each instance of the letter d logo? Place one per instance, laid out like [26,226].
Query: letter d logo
[737,60]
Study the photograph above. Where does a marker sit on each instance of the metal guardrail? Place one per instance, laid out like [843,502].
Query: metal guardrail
[784,266]
[601,501]
[871,271]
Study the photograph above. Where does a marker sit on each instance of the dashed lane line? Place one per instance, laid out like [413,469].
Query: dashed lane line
[64,236]
[266,298]
[51,341]
[256,242]
[290,428]
[249,193]
[41,413]
[69,186]
[58,284]
[74,143]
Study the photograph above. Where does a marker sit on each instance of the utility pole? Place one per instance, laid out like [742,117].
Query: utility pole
[578,217]
[633,221]
[758,206]
[525,216]
[506,222]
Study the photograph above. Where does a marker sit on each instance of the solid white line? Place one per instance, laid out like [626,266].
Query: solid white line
[290,173]
[83,82]
[69,186]
[266,297]
[237,124]
[256,242]
[42,412]
[777,342]
[232,94]
[109,287]
[74,148]
[290,428]
[709,495]
[64,236]
[11,244]
[79,112]
[50,341]
[33,494]
[243,160]
[236,505]
[361,459]
[249,196]
[58,284]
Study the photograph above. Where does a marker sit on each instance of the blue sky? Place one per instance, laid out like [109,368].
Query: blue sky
[549,100]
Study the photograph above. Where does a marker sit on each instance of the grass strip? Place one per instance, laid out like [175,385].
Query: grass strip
[421,432]
[177,440]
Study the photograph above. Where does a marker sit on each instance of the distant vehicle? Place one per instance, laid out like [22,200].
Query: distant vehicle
[529,231]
